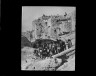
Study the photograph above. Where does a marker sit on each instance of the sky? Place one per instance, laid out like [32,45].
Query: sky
[29,13]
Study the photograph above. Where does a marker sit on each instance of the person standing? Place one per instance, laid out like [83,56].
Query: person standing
[69,43]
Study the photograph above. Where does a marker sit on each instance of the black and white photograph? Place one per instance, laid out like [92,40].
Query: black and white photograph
[48,38]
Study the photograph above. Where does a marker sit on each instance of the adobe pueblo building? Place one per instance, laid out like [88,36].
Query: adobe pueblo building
[50,37]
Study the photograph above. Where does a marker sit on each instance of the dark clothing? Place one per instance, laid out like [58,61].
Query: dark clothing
[69,43]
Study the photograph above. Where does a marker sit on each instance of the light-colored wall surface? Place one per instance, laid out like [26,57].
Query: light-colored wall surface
[30,13]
